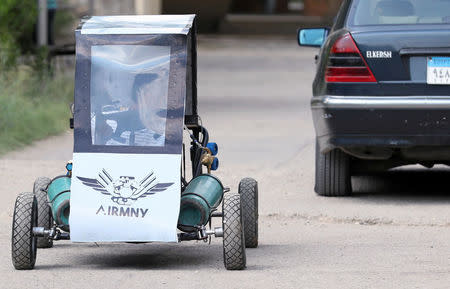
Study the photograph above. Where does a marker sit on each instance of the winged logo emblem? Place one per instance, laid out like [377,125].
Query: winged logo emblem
[126,189]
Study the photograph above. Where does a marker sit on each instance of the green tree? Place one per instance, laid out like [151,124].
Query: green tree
[17,22]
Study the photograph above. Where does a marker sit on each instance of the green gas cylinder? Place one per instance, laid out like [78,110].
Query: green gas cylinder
[202,196]
[58,193]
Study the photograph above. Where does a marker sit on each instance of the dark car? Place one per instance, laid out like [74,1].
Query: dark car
[381,95]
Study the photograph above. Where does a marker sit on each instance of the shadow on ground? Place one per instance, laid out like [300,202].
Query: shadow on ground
[418,185]
[122,256]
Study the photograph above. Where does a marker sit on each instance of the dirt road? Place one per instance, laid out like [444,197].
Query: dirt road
[254,96]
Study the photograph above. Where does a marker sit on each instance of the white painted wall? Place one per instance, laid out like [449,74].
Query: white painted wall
[113,7]
[120,7]
[146,7]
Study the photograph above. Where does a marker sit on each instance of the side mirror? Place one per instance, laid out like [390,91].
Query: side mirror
[313,37]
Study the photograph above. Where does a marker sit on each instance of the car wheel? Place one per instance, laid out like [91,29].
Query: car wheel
[233,233]
[23,242]
[333,177]
[248,189]
[45,218]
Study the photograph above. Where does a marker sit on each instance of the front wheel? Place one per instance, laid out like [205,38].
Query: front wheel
[23,242]
[333,177]
[45,218]
[248,189]
[233,233]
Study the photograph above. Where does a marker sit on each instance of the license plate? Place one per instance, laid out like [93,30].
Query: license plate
[438,70]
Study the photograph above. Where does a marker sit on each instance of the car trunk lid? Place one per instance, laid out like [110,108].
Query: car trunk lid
[399,56]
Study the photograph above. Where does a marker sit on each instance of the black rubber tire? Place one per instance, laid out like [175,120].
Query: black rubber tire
[248,189]
[333,175]
[45,218]
[233,234]
[23,243]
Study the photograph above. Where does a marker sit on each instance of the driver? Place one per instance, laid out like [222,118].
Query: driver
[143,124]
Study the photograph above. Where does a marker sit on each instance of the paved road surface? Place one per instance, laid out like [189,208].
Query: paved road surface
[254,99]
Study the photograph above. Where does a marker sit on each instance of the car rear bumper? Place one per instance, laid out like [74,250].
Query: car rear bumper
[394,122]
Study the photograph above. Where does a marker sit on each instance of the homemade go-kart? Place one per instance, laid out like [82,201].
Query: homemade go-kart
[135,96]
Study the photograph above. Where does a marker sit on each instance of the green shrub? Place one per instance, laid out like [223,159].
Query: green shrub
[17,20]
[32,107]
[33,103]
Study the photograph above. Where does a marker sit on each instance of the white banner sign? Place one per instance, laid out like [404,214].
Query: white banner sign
[124,197]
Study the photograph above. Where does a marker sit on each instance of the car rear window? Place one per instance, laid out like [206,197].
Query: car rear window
[391,12]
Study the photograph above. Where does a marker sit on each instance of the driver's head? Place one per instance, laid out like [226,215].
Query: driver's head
[141,85]
[150,100]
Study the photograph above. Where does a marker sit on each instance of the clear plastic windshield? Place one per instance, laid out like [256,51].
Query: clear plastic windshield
[129,92]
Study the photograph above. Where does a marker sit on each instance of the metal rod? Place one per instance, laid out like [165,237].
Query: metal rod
[217,214]
[42,30]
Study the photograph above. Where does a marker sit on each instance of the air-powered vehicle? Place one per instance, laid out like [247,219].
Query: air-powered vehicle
[135,124]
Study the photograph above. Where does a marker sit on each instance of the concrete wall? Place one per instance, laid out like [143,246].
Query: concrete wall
[108,7]
[210,12]
[206,8]
[327,8]
[148,6]
[118,7]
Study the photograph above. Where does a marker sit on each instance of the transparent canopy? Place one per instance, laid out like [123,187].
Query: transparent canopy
[134,75]
[129,88]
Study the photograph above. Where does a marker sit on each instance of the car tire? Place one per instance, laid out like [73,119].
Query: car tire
[248,189]
[23,242]
[233,233]
[45,218]
[333,175]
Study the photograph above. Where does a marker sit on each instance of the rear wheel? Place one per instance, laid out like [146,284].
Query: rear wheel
[233,234]
[45,218]
[23,242]
[333,177]
[248,189]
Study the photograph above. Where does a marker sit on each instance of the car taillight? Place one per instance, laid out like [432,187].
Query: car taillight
[346,63]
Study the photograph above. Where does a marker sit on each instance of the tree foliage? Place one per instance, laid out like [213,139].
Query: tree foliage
[17,22]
